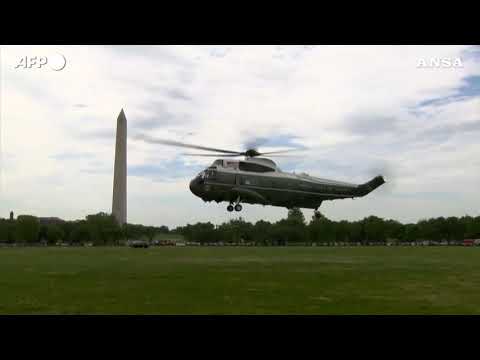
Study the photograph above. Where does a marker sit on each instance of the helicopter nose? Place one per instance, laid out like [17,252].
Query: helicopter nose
[195,187]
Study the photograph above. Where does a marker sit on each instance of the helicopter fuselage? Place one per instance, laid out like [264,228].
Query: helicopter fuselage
[260,181]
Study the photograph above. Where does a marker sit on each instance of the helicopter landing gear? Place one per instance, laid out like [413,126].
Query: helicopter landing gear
[237,206]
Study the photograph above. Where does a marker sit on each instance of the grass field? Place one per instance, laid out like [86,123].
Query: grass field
[215,280]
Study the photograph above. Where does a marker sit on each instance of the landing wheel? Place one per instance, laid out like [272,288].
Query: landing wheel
[238,207]
[230,208]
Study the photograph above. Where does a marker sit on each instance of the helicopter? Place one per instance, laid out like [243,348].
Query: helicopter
[258,180]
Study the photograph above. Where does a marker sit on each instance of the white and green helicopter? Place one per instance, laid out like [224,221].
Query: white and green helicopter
[258,180]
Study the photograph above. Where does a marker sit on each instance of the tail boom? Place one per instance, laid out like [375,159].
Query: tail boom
[369,186]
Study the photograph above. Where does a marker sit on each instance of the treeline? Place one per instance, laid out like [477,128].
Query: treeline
[294,229]
[102,229]
[98,229]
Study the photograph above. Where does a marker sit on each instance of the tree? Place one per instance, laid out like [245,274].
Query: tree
[4,230]
[104,228]
[262,231]
[200,232]
[295,216]
[67,228]
[411,233]
[27,229]
[80,233]
[279,233]
[42,234]
[163,229]
[317,215]
[243,230]
[54,234]
[342,231]
[133,231]
[355,232]
[394,230]
[374,229]
[321,229]
[149,232]
[456,229]
[293,228]
[472,227]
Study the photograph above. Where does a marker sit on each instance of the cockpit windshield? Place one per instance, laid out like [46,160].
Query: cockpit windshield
[207,174]
[201,176]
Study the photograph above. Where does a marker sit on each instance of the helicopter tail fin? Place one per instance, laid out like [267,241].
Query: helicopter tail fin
[369,186]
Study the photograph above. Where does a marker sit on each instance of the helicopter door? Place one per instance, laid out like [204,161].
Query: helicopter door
[237,179]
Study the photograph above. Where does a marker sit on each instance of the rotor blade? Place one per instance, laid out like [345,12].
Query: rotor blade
[288,156]
[152,140]
[281,151]
[233,155]
[216,155]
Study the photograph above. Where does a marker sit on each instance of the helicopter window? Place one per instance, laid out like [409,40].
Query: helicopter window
[248,181]
[218,163]
[210,174]
[245,166]
[230,164]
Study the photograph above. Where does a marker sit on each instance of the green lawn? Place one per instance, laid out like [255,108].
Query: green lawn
[215,280]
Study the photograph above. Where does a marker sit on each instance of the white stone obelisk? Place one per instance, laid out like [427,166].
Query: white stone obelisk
[119,202]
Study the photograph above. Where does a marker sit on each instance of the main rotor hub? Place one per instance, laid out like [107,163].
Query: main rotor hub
[252,153]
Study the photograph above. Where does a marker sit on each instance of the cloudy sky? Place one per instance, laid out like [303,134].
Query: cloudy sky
[360,110]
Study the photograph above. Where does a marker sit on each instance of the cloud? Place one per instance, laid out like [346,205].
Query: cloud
[97,171]
[157,115]
[445,132]
[177,94]
[100,134]
[160,54]
[471,53]
[70,156]
[356,108]
[220,52]
[280,141]
[470,87]
[364,124]
[160,170]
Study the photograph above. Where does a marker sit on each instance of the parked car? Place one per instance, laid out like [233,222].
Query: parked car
[137,243]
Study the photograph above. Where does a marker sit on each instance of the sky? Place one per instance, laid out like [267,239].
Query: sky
[410,113]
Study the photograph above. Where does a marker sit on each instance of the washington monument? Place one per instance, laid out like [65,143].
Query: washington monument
[119,202]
